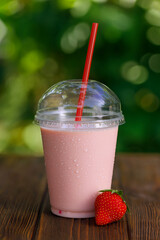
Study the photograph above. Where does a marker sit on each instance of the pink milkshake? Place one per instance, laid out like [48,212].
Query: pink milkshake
[78,166]
[79,157]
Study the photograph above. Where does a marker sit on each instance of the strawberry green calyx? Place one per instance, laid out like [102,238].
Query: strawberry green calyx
[119,192]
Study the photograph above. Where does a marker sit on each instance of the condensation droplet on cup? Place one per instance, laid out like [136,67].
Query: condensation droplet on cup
[77,164]
[77,171]
[74,160]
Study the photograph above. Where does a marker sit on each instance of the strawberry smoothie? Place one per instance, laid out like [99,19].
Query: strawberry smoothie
[79,155]
[79,163]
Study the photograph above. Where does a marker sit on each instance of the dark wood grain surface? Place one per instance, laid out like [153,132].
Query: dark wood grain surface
[25,211]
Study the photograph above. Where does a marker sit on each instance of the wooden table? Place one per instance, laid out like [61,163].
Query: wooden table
[25,211]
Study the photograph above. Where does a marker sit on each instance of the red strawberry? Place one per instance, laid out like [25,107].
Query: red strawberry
[109,207]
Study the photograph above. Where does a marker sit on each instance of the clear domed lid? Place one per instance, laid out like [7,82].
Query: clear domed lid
[57,107]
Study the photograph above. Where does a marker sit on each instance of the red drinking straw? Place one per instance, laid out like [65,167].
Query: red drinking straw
[86,72]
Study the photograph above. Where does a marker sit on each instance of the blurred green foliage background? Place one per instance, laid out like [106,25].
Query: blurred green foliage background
[43,42]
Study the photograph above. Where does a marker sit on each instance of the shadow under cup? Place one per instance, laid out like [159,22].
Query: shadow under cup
[79,156]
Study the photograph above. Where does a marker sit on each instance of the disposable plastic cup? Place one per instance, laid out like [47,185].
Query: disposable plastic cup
[79,156]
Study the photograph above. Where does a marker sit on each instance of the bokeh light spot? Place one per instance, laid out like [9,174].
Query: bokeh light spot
[32,61]
[3,30]
[10,7]
[153,35]
[147,100]
[80,8]
[81,33]
[75,37]
[144,3]
[134,73]
[99,1]
[127,3]
[32,138]
[154,63]
[67,45]
[116,18]
[153,13]
[66,3]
